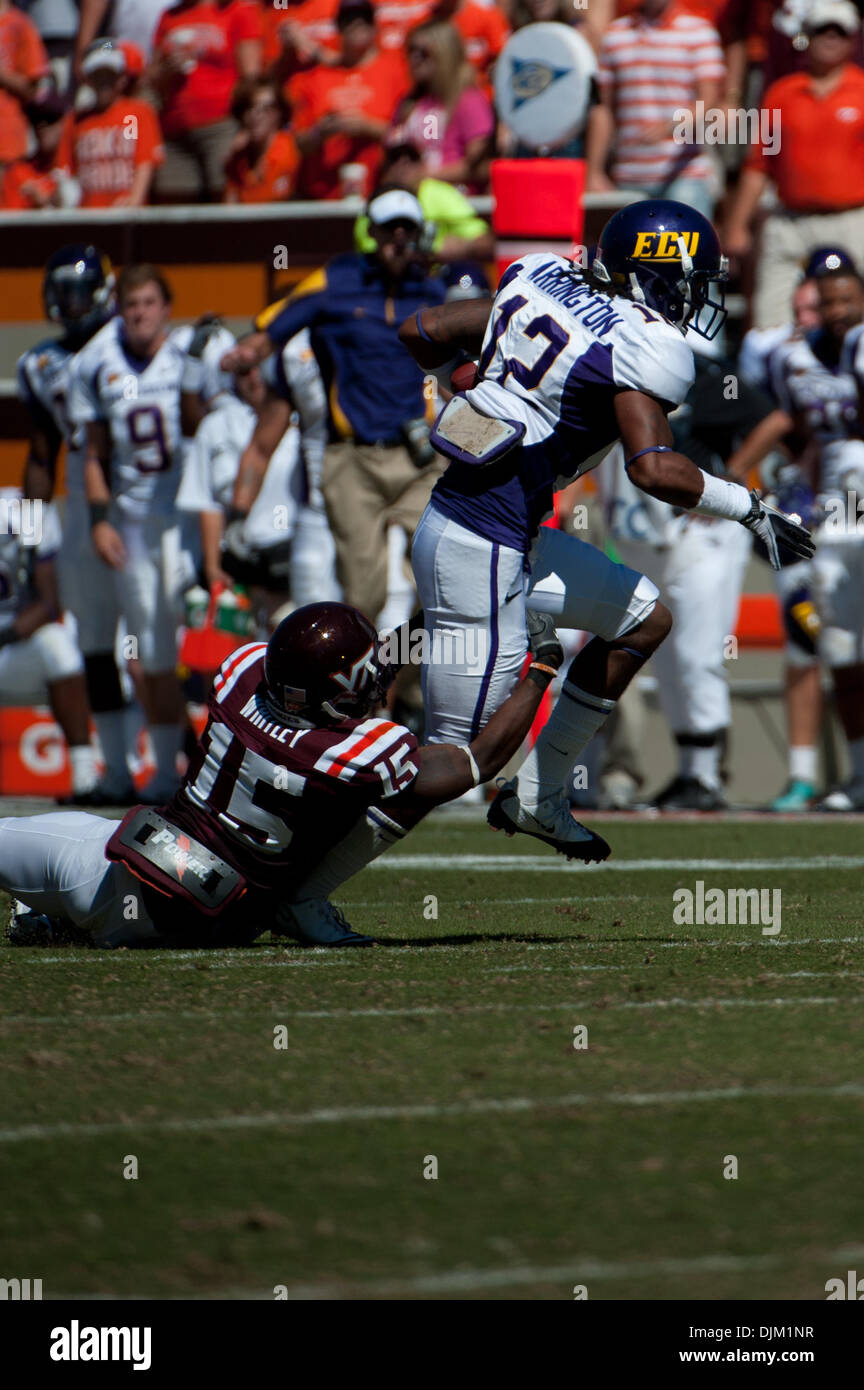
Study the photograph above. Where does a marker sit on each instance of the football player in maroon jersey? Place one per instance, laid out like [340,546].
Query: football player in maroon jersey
[291,766]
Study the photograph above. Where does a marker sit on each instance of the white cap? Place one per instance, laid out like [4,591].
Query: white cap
[396,206]
[840,12]
[103,55]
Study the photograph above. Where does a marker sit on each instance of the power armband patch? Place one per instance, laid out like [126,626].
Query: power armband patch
[168,859]
[462,434]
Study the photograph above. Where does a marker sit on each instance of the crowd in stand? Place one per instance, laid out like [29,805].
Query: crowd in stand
[265,100]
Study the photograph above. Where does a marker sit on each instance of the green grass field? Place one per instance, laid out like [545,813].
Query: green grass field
[557,1166]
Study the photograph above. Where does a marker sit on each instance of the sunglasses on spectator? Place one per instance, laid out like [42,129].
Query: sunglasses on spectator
[420,53]
[262,106]
[398,224]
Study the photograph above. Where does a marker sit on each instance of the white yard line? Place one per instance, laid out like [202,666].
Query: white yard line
[536,863]
[456,1010]
[211,960]
[581,1271]
[512,1105]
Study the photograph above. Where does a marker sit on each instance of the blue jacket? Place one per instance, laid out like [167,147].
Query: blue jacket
[373,384]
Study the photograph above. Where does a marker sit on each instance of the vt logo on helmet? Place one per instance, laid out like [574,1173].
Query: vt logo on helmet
[323,663]
[666,256]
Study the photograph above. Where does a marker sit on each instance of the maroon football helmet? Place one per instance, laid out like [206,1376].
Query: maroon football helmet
[323,663]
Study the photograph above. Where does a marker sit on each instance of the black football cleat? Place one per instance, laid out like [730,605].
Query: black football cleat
[690,794]
[554,824]
[316,922]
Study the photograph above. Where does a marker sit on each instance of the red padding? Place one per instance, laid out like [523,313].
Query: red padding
[538,198]
[760,621]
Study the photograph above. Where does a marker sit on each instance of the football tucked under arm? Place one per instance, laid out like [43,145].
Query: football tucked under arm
[437,336]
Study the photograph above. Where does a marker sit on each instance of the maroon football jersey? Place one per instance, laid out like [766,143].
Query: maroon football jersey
[271,794]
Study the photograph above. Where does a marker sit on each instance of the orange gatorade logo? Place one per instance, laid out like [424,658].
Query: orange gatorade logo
[663,246]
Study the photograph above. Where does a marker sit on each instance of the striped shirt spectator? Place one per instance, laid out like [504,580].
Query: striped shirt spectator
[653,64]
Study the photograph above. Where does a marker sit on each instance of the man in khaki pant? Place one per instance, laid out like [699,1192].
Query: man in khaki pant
[379,468]
[368,488]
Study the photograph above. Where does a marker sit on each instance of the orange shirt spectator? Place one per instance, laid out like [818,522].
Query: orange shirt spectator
[819,162]
[196,50]
[396,18]
[29,183]
[484,31]
[113,149]
[268,179]
[23,61]
[341,113]
[24,187]
[262,167]
[299,33]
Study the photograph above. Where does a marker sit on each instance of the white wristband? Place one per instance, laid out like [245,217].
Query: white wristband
[475,771]
[720,498]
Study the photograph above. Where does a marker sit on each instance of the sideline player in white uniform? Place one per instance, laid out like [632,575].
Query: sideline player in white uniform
[814,381]
[838,568]
[39,662]
[78,293]
[261,555]
[698,565]
[794,585]
[568,363]
[126,391]
[295,400]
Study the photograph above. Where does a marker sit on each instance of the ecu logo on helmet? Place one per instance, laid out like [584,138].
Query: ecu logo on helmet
[664,246]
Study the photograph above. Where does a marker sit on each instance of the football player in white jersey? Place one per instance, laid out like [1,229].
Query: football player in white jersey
[802,674]
[838,567]
[39,661]
[568,362]
[78,293]
[260,554]
[126,391]
[293,383]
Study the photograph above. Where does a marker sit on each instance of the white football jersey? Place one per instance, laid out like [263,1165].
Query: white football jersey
[757,349]
[211,470]
[551,336]
[140,404]
[294,373]
[631,514]
[555,355]
[21,521]
[823,397]
[43,380]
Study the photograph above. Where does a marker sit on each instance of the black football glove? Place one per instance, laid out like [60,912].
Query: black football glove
[785,542]
[203,330]
[543,643]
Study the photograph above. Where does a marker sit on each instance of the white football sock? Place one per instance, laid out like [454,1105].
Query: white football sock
[804,763]
[111,728]
[703,763]
[575,719]
[166,745]
[82,760]
[368,837]
[856,757]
